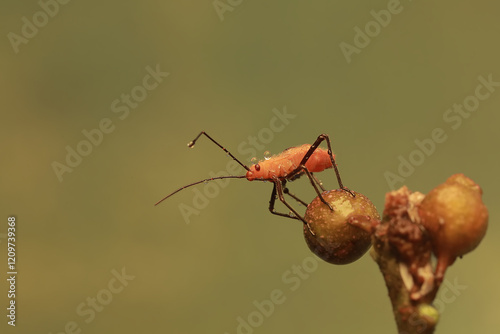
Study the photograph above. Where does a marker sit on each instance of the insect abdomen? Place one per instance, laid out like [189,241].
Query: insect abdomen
[319,161]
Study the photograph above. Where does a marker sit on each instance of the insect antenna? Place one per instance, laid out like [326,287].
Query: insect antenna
[202,181]
[192,142]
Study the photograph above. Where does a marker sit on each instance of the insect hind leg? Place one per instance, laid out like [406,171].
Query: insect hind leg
[310,152]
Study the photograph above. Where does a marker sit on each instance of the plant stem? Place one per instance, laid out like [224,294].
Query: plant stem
[402,250]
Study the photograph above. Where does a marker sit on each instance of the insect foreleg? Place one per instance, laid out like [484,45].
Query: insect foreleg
[272,202]
[279,192]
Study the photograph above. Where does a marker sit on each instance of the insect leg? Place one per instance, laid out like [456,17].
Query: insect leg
[272,201]
[287,192]
[192,142]
[279,191]
[318,182]
[312,179]
[314,146]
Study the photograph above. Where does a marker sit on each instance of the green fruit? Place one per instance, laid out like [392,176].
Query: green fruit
[335,240]
[456,218]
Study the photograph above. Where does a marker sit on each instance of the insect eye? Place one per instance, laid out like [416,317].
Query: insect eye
[257,167]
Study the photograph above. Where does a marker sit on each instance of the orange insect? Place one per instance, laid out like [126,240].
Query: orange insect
[289,165]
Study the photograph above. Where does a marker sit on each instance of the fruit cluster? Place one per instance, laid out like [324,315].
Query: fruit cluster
[453,215]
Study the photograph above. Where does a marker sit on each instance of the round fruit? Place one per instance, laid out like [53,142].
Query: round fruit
[456,218]
[335,240]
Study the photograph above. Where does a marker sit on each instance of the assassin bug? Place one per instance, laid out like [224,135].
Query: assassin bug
[286,166]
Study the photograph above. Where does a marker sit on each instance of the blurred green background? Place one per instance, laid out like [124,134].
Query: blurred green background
[229,68]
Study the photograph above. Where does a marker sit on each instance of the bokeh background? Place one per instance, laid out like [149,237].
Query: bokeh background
[229,68]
